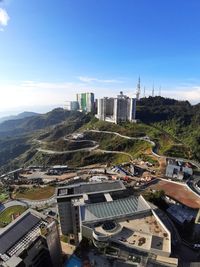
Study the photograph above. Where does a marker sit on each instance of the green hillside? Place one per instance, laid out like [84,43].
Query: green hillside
[173,125]
[179,119]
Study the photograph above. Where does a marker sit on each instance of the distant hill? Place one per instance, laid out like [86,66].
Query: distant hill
[30,124]
[22,115]
[17,145]
[180,119]
[173,125]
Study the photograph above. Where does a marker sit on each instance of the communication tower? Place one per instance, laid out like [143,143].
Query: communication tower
[138,90]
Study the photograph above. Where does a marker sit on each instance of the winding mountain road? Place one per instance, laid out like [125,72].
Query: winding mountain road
[95,147]
[47,151]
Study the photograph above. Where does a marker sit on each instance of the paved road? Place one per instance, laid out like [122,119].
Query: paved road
[95,147]
[47,151]
[143,138]
[11,203]
[28,203]
[80,141]
[35,203]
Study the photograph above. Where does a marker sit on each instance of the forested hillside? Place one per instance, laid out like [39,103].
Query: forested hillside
[178,118]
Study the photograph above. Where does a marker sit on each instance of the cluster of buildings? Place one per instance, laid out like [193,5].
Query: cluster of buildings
[113,109]
[178,169]
[112,218]
[117,222]
[85,102]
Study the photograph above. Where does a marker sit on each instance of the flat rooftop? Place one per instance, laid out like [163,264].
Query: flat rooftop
[89,188]
[113,209]
[143,232]
[182,214]
[147,233]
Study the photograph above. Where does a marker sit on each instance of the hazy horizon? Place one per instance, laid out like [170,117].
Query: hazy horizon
[50,51]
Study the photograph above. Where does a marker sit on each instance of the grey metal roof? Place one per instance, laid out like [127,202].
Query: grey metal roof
[13,234]
[113,209]
[93,187]
[97,187]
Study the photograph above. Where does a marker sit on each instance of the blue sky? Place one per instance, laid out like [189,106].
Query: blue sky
[49,50]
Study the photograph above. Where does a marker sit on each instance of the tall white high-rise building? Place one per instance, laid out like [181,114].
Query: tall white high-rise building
[86,101]
[118,109]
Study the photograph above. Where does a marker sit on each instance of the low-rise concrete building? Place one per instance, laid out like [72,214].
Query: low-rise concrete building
[178,172]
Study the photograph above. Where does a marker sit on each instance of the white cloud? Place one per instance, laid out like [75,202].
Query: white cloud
[4,18]
[29,95]
[32,93]
[86,79]
[190,93]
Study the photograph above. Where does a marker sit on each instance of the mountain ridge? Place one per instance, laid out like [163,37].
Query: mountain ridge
[173,125]
[24,114]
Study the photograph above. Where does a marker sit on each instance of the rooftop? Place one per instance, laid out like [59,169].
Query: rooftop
[113,209]
[17,230]
[182,214]
[142,232]
[89,188]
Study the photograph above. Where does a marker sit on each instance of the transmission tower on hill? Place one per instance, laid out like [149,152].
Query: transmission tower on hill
[159,93]
[153,89]
[144,92]
[138,91]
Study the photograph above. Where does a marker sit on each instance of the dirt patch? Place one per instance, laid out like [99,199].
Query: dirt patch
[179,192]
[37,193]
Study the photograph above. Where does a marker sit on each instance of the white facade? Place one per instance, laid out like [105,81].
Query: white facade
[117,110]
[85,101]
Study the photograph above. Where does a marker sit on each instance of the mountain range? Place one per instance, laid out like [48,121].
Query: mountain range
[173,125]
[22,115]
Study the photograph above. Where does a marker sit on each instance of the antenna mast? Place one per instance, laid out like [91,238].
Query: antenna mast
[144,92]
[160,90]
[153,90]
[138,90]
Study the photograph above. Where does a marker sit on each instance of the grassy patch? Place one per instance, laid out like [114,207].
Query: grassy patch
[3,194]
[101,158]
[64,238]
[63,145]
[7,215]
[3,197]
[36,193]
